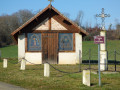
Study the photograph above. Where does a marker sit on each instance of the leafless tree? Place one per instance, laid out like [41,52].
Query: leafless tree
[23,15]
[8,23]
[79,18]
[110,27]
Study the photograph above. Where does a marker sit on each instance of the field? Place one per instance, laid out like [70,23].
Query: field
[32,78]
[11,51]
[111,47]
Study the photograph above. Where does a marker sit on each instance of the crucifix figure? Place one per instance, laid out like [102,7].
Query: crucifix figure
[50,1]
[103,15]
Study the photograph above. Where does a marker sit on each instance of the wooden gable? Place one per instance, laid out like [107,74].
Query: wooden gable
[49,20]
[55,25]
[43,26]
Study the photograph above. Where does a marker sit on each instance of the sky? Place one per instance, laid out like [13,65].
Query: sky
[89,7]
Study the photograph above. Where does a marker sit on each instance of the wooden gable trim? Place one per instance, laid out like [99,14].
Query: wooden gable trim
[50,19]
[73,28]
[65,24]
[52,31]
[73,24]
[34,23]
[29,21]
[50,23]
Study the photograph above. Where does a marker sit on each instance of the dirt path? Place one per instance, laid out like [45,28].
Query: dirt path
[5,86]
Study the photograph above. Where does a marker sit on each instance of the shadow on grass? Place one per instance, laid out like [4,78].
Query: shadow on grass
[93,84]
[104,84]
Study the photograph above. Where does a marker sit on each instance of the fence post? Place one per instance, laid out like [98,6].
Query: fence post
[23,62]
[4,63]
[79,60]
[89,58]
[115,58]
[46,70]
[86,77]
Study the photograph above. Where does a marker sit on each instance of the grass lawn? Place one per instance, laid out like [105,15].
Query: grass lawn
[32,78]
[9,51]
[111,46]
[12,52]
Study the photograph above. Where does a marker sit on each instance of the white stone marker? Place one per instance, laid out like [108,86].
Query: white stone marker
[86,77]
[23,63]
[103,61]
[4,63]
[103,53]
[46,70]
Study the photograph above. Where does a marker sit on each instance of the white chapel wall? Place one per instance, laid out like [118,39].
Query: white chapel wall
[29,56]
[72,57]
[78,47]
[21,46]
[34,57]
[67,58]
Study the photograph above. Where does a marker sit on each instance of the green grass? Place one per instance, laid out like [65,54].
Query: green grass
[32,78]
[9,51]
[111,46]
[12,51]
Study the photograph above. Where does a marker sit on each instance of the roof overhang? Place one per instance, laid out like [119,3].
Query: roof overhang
[26,27]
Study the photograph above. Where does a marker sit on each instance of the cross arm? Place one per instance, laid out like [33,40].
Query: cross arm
[107,15]
[98,15]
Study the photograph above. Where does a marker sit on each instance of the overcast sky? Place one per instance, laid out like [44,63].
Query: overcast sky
[89,7]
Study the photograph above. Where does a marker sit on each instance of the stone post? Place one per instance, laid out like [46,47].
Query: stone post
[46,70]
[23,63]
[4,63]
[86,77]
[103,52]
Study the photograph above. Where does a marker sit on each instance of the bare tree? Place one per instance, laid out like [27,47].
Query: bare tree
[8,23]
[110,27]
[79,18]
[23,15]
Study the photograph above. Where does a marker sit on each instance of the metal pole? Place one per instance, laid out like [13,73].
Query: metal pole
[99,64]
[107,60]
[115,59]
[89,58]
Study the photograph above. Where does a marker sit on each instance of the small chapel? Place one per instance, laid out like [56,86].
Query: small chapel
[49,37]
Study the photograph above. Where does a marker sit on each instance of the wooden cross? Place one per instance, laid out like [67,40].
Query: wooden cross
[50,1]
[103,15]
